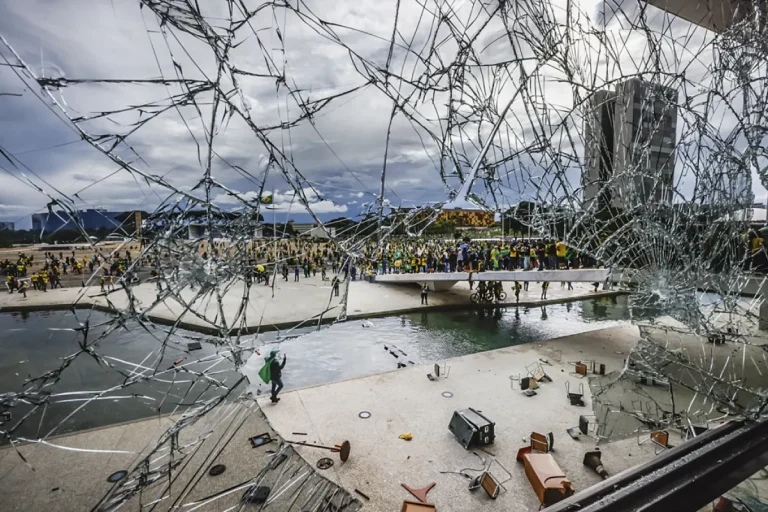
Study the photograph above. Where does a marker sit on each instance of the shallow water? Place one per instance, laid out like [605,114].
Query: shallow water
[349,350]
[32,344]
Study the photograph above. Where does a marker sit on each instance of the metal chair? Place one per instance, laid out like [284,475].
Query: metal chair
[660,439]
[575,398]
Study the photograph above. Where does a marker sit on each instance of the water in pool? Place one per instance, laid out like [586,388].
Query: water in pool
[32,344]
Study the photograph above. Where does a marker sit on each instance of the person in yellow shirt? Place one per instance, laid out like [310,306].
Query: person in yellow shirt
[45,281]
[560,252]
[34,280]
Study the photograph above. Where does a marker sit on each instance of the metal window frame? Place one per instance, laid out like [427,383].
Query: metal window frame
[684,478]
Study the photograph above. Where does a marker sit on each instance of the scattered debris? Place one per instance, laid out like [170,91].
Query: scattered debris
[575,398]
[279,459]
[471,428]
[342,449]
[260,440]
[299,433]
[442,372]
[217,469]
[367,324]
[256,494]
[547,479]
[419,494]
[447,394]
[324,463]
[55,489]
[405,436]
[364,415]
[117,476]
[361,493]
[195,345]
[416,506]
[541,442]
[593,460]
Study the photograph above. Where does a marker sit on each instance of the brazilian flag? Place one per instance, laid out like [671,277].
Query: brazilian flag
[267,199]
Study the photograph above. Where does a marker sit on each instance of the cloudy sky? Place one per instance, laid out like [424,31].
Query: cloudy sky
[339,150]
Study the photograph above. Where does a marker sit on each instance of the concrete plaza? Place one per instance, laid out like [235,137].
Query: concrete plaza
[405,401]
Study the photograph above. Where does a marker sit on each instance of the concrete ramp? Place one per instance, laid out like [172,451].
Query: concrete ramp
[443,280]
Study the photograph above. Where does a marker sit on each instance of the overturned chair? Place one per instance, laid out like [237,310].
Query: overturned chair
[547,479]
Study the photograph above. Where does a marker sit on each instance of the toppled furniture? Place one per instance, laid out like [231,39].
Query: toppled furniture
[471,428]
[577,397]
[580,369]
[547,479]
[594,460]
[542,442]
[536,372]
[419,494]
[660,438]
[415,506]
[584,368]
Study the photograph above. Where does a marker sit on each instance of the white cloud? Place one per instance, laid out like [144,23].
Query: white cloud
[284,202]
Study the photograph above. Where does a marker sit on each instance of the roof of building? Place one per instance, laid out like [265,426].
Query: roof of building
[750,215]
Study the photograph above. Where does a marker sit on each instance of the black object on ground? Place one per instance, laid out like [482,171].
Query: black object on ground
[279,459]
[217,469]
[342,449]
[117,476]
[324,463]
[256,494]
[592,460]
[195,345]
[471,428]
[299,433]
[361,493]
[260,440]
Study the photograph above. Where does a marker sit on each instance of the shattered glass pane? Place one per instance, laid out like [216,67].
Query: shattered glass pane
[635,136]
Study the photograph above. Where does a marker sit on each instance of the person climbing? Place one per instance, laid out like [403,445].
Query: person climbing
[276,375]
[424,295]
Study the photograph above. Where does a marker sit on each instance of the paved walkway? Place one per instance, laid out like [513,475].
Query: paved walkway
[289,303]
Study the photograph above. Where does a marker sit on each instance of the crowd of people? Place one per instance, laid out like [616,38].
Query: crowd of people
[308,258]
[410,256]
[20,274]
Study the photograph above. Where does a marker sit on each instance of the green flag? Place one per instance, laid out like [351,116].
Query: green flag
[264,373]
